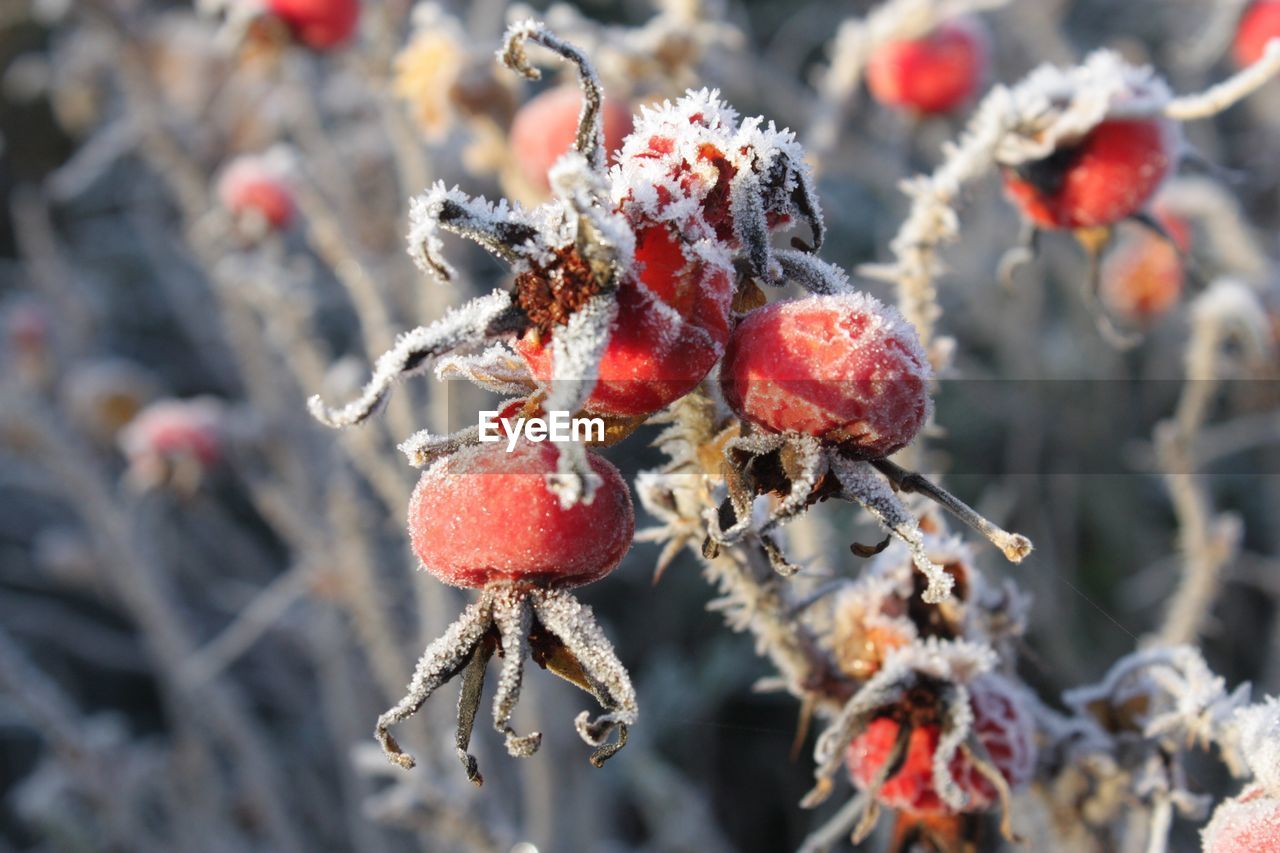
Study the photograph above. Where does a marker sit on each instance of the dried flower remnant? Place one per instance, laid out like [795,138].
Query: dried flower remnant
[523,560]
[917,734]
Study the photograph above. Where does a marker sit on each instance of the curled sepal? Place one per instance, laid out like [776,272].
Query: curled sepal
[861,485]
[483,319]
[580,653]
[589,141]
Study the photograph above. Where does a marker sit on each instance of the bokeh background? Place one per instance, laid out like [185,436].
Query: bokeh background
[193,651]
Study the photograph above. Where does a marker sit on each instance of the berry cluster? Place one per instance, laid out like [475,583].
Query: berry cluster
[938,727]
[630,285]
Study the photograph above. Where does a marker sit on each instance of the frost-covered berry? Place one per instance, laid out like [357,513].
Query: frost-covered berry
[1109,174]
[695,166]
[170,430]
[257,186]
[847,369]
[1142,277]
[671,326]
[1249,823]
[1001,724]
[485,515]
[1259,25]
[319,24]
[932,74]
[546,126]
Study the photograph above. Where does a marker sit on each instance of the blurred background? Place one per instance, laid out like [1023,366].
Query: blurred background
[206,598]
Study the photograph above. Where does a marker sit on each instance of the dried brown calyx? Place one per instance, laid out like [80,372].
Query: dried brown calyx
[550,294]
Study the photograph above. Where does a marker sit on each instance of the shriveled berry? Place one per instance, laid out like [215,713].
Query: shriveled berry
[319,24]
[846,368]
[546,126]
[1248,823]
[254,186]
[1142,277]
[1108,175]
[1001,724]
[1260,24]
[932,74]
[483,514]
[671,328]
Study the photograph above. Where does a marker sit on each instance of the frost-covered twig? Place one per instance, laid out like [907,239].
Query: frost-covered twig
[1230,91]
[1227,311]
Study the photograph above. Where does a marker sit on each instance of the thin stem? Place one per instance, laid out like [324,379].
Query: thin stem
[1014,546]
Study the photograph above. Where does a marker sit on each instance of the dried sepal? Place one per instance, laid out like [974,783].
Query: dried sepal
[483,319]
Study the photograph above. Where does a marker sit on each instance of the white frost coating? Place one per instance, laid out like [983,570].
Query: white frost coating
[954,662]
[576,350]
[425,245]
[663,54]
[499,369]
[865,487]
[1229,308]
[1258,737]
[1182,700]
[1217,98]
[956,728]
[1012,125]
[663,175]
[585,192]
[412,354]
[1052,105]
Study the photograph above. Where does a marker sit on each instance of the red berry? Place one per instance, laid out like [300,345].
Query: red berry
[319,24]
[1249,823]
[255,186]
[1001,724]
[932,74]
[1108,175]
[1142,277]
[1260,24]
[671,328]
[484,515]
[174,429]
[547,125]
[845,368]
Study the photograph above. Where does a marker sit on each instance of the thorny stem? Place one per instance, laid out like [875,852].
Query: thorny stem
[1014,546]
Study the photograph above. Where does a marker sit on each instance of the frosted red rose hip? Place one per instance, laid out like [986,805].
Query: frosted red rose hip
[257,186]
[484,514]
[932,74]
[671,328]
[1109,174]
[1000,723]
[319,24]
[1245,824]
[1260,24]
[844,368]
